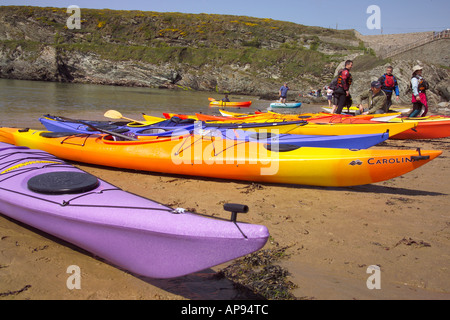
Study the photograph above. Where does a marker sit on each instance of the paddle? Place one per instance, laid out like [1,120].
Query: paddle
[113,114]
[122,136]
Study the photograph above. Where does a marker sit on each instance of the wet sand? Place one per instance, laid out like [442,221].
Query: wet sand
[335,234]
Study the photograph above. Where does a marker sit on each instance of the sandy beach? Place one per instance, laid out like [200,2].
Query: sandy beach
[334,235]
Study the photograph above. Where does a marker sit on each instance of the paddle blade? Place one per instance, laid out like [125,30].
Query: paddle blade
[113,114]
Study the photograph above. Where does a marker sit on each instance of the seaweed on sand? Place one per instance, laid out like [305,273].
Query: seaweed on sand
[258,273]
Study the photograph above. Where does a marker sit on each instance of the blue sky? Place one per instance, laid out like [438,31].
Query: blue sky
[396,16]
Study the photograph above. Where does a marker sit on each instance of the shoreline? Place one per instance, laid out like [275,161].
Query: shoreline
[334,234]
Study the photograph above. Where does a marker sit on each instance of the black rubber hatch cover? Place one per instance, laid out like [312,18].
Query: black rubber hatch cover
[63,182]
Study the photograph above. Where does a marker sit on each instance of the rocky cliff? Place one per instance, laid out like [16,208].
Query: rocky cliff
[437,76]
[193,52]
[432,56]
[199,52]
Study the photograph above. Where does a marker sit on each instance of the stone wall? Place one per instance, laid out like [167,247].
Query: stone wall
[436,52]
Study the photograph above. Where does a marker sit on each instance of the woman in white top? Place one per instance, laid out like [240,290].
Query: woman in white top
[419,96]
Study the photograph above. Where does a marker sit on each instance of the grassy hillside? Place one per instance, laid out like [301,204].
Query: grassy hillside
[153,28]
[286,49]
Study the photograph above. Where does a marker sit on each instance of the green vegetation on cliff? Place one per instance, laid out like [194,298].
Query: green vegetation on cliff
[275,50]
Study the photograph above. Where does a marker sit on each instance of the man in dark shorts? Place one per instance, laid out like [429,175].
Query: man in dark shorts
[283,93]
[342,93]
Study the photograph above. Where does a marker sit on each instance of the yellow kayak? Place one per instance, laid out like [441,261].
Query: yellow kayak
[151,119]
[354,109]
[329,129]
[307,116]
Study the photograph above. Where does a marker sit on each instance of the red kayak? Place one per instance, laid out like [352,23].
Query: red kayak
[431,129]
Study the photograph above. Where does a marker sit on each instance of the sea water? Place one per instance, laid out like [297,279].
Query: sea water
[22,102]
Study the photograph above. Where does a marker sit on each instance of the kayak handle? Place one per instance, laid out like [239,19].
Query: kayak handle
[420,156]
[235,208]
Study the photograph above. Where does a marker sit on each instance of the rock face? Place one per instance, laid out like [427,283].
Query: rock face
[50,64]
[437,77]
[431,56]
[169,50]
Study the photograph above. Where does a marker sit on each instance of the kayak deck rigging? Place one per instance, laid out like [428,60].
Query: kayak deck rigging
[49,161]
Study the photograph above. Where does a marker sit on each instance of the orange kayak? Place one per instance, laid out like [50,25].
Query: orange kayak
[234,104]
[206,156]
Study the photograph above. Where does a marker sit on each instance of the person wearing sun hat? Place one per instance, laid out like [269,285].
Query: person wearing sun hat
[376,100]
[419,96]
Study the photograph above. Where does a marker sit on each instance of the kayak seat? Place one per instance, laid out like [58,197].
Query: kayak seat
[153,131]
[262,135]
[178,120]
[109,127]
[281,147]
[50,134]
[63,182]
[120,123]
[187,121]
[121,130]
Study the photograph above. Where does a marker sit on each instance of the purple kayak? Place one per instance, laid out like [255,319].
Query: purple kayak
[129,231]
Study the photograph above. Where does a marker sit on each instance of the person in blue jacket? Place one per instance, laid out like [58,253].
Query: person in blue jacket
[389,84]
[283,93]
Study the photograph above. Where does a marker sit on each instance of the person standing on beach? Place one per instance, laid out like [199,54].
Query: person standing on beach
[419,87]
[389,84]
[329,96]
[283,92]
[344,81]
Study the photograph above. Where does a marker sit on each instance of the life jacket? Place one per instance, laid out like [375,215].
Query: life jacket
[337,82]
[389,81]
[423,84]
[340,81]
